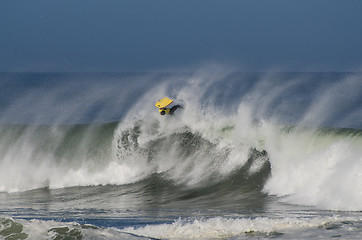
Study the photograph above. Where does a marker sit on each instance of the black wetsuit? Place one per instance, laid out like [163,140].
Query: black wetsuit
[173,109]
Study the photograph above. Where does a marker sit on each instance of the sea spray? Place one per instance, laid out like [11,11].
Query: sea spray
[272,119]
[316,167]
[252,155]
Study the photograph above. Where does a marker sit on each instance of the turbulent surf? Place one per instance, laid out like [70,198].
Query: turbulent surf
[250,156]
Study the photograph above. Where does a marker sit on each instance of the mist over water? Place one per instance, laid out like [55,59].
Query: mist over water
[244,142]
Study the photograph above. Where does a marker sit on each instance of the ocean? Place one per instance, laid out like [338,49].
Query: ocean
[251,156]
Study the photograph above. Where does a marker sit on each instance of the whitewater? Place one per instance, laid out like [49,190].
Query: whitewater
[251,155]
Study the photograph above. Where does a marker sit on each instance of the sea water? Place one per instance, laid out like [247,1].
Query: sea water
[251,155]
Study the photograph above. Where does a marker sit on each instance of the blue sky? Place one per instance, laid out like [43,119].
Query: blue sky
[145,35]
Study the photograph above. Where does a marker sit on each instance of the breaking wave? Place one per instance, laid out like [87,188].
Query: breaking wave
[230,142]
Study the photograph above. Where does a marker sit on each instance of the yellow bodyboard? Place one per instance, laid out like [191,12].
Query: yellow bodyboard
[164,102]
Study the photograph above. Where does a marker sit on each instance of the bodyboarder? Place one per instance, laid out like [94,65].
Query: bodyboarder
[164,108]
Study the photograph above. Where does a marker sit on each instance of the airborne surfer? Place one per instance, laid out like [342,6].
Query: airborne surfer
[163,106]
[170,111]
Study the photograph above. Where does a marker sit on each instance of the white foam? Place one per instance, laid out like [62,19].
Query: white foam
[25,165]
[307,167]
[310,168]
[220,227]
[40,229]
